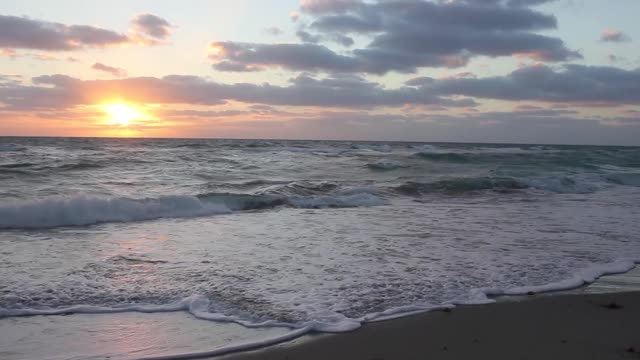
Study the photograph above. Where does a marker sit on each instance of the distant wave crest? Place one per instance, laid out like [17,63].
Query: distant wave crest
[11,147]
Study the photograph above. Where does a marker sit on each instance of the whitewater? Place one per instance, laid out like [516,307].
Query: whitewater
[282,238]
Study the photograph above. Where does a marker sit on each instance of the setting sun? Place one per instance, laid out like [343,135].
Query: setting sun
[122,114]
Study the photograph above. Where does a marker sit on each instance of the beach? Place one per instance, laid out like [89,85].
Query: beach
[571,326]
[319,179]
[598,321]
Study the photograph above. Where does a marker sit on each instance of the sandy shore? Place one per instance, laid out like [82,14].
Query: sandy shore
[576,326]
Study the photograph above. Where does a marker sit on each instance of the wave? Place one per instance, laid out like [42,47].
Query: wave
[565,184]
[14,171]
[424,148]
[239,202]
[559,184]
[249,184]
[78,166]
[16,165]
[461,185]
[629,179]
[11,147]
[136,260]
[372,147]
[443,157]
[542,159]
[301,188]
[82,210]
[86,210]
[341,201]
[249,144]
[385,165]
[83,165]
[194,146]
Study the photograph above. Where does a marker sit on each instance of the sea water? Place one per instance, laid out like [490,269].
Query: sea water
[220,245]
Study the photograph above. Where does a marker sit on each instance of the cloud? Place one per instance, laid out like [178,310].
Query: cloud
[328,6]
[579,84]
[152,25]
[10,79]
[573,85]
[13,54]
[61,91]
[407,35]
[511,3]
[44,57]
[307,37]
[117,72]
[611,35]
[25,33]
[304,57]
[342,39]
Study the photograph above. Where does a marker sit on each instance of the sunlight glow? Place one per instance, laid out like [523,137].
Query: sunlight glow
[122,114]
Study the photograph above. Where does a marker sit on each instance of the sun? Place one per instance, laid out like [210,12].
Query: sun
[122,114]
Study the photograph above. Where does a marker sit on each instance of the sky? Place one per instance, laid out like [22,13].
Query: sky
[507,71]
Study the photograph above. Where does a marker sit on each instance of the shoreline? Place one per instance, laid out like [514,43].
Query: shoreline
[381,336]
[178,335]
[562,326]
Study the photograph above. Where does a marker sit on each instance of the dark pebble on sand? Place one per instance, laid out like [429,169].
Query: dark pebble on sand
[613,306]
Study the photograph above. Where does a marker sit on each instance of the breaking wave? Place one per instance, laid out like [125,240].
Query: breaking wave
[87,210]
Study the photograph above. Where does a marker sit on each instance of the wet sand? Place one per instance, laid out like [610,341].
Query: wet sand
[570,326]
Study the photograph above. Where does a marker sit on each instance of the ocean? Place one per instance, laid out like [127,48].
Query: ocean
[219,245]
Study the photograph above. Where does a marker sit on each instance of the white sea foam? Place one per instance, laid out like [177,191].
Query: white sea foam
[330,322]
